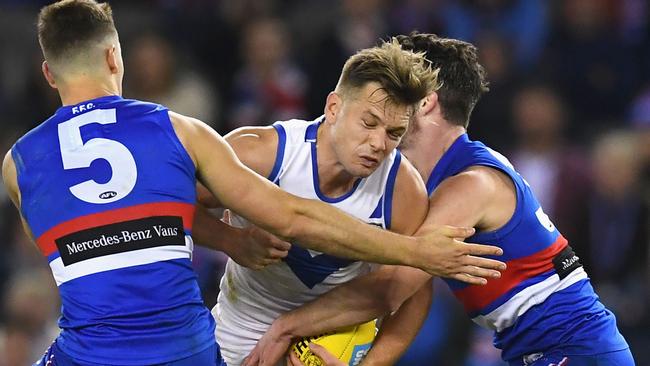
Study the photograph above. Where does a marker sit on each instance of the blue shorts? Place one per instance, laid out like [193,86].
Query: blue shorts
[557,358]
[209,357]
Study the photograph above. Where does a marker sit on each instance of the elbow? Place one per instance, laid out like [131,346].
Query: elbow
[289,224]
[391,304]
[382,304]
[286,230]
[382,300]
[295,221]
[390,293]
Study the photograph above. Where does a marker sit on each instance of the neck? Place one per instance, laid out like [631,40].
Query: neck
[85,88]
[430,144]
[333,179]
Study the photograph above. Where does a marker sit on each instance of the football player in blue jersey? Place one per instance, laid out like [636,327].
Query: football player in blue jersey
[106,188]
[543,310]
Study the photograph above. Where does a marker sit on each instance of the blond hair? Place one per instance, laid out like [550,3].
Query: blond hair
[406,77]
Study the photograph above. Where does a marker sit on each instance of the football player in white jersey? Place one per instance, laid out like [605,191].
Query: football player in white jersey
[346,158]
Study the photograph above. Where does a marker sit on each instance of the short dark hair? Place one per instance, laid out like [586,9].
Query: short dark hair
[462,77]
[406,77]
[69,26]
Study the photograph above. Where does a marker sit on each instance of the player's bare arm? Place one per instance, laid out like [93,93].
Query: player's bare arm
[461,200]
[205,198]
[387,288]
[493,185]
[480,196]
[249,246]
[465,199]
[320,226]
[9,177]
[400,328]
[255,147]
[410,207]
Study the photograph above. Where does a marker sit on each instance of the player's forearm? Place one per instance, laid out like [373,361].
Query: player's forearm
[341,307]
[399,329]
[210,232]
[326,229]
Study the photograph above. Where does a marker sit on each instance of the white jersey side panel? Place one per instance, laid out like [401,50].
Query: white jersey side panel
[250,300]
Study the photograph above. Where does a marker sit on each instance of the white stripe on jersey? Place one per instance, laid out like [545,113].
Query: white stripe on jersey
[63,274]
[507,314]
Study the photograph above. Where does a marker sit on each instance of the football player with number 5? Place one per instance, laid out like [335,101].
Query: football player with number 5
[107,189]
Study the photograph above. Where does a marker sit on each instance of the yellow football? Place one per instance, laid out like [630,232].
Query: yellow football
[349,344]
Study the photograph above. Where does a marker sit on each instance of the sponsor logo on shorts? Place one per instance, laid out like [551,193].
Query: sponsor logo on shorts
[121,237]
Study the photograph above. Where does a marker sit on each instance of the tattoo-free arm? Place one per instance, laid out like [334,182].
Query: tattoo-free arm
[410,206]
[249,246]
[400,328]
[465,199]
[314,224]
[10,179]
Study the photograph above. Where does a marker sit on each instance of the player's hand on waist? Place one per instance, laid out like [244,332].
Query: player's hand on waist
[443,253]
[258,248]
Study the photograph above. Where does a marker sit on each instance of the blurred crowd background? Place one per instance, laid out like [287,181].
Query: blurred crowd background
[569,105]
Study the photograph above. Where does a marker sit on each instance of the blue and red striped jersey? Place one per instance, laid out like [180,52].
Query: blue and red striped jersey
[108,192]
[544,299]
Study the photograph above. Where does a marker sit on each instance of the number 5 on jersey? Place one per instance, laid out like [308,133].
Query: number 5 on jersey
[77,154]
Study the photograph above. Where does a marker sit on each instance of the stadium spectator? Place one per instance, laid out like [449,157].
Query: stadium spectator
[269,86]
[159,76]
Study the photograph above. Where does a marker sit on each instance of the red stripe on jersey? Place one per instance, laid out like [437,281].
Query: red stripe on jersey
[475,298]
[185,210]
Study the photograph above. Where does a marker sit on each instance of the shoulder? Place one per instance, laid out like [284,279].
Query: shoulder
[257,138]
[256,147]
[410,201]
[186,126]
[190,131]
[479,196]
[477,182]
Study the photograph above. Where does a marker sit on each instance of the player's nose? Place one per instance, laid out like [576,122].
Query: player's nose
[377,140]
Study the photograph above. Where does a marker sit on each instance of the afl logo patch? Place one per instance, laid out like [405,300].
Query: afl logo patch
[108,194]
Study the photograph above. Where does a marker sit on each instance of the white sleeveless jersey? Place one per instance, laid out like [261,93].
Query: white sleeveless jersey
[250,300]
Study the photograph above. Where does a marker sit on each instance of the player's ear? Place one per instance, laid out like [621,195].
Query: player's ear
[112,59]
[332,106]
[428,104]
[47,72]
